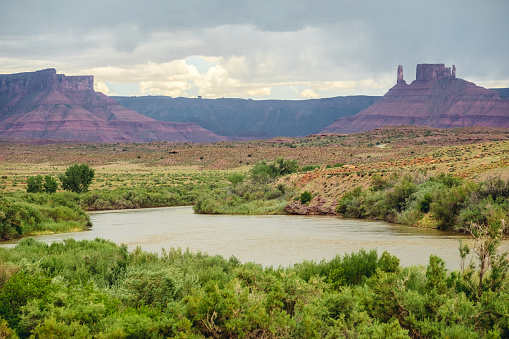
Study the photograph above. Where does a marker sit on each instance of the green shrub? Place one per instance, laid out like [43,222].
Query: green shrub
[34,184]
[50,185]
[235,178]
[98,289]
[305,197]
[263,172]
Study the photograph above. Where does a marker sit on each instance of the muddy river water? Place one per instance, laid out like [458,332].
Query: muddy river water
[267,240]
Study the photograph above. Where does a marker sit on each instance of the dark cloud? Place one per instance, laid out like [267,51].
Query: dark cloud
[265,41]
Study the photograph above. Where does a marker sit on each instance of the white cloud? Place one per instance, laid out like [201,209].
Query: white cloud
[308,94]
[217,83]
[100,86]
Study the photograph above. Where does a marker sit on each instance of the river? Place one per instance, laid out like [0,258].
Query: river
[270,240]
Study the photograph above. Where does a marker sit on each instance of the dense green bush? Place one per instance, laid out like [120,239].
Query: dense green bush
[34,184]
[98,289]
[50,185]
[263,172]
[38,184]
[305,197]
[77,178]
[29,213]
[443,202]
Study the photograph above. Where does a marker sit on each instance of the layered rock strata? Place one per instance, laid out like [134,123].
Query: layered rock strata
[47,105]
[435,99]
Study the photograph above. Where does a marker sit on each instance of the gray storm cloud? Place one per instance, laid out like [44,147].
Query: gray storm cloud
[256,46]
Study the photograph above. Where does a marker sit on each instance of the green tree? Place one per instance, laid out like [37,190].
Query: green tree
[285,167]
[492,267]
[235,178]
[263,172]
[50,185]
[77,178]
[34,184]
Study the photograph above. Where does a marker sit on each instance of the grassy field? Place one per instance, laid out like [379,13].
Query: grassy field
[472,153]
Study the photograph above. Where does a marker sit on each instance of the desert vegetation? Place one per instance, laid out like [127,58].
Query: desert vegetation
[38,213]
[454,179]
[444,202]
[254,194]
[98,289]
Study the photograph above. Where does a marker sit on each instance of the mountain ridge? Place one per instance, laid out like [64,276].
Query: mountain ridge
[47,105]
[234,117]
[435,99]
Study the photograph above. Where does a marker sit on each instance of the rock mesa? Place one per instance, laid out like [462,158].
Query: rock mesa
[437,98]
[47,105]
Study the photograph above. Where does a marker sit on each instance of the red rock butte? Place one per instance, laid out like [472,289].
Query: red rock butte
[437,98]
[47,105]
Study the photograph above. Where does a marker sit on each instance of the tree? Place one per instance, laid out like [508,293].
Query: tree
[50,185]
[285,167]
[263,172]
[492,268]
[235,178]
[34,184]
[77,178]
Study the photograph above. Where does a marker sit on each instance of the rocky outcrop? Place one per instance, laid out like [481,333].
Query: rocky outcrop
[47,105]
[317,206]
[435,99]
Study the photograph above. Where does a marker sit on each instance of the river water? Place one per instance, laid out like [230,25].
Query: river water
[268,240]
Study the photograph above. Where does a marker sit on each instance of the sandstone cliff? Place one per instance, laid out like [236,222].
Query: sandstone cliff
[436,99]
[47,105]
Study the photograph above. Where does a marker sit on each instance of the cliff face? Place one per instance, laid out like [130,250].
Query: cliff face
[47,105]
[436,99]
[251,118]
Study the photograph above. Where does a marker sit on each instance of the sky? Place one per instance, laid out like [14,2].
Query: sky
[263,49]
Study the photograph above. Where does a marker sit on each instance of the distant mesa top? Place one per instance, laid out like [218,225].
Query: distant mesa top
[47,105]
[429,72]
[46,79]
[437,98]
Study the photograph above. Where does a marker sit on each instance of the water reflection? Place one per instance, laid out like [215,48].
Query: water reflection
[268,240]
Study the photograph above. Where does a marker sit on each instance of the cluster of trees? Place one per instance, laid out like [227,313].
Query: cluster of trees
[38,184]
[443,202]
[98,289]
[77,178]
[254,193]
[264,172]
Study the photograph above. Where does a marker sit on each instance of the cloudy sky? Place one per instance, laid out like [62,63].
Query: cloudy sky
[283,49]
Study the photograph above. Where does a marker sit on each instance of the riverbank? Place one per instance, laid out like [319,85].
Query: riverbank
[24,214]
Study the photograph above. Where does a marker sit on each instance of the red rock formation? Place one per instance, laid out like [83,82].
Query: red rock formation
[436,99]
[47,105]
[316,207]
